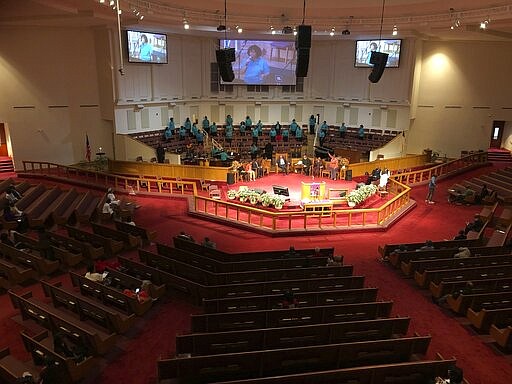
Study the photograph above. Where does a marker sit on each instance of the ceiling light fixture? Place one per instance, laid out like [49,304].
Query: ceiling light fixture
[395,30]
[239,29]
[186,25]
[332,32]
[111,3]
[483,24]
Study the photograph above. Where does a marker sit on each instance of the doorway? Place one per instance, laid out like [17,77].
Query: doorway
[3,141]
[498,126]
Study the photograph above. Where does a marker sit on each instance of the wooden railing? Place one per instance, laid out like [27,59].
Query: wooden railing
[422,176]
[127,183]
[292,221]
[254,217]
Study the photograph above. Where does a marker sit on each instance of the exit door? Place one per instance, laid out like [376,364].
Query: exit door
[497,133]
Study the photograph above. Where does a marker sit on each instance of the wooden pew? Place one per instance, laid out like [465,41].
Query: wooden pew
[11,369]
[472,273]
[54,320]
[129,241]
[41,265]
[402,259]
[502,335]
[419,266]
[487,212]
[461,303]
[212,368]
[387,249]
[400,373]
[88,250]
[196,344]
[500,235]
[41,209]
[31,196]
[110,295]
[304,299]
[214,265]
[64,256]
[111,246]
[15,274]
[446,287]
[41,345]
[228,257]
[6,183]
[234,321]
[144,234]
[209,278]
[102,315]
[86,207]
[64,211]
[125,280]
[483,319]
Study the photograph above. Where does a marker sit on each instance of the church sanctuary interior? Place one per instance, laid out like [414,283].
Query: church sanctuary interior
[253,192]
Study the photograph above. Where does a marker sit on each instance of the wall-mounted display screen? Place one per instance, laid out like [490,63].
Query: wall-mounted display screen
[263,62]
[146,47]
[364,50]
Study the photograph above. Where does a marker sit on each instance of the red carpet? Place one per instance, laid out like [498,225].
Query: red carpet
[136,363]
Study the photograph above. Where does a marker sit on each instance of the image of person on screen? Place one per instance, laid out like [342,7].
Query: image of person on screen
[373,47]
[256,67]
[146,49]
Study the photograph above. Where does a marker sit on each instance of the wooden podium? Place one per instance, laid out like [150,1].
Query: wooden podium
[313,191]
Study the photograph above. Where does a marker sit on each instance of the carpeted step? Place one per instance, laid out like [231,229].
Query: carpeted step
[499,156]
[6,166]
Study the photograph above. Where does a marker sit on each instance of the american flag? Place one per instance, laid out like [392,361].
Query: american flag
[87,148]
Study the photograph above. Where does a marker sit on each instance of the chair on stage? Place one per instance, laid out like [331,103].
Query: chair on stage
[265,165]
[285,157]
[214,192]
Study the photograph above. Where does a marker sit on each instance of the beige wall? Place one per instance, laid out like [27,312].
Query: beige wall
[59,83]
[462,88]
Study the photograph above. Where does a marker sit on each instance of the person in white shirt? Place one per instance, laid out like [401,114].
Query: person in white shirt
[112,197]
[107,208]
[94,276]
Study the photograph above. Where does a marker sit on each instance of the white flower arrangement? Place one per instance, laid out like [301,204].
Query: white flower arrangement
[357,196]
[232,194]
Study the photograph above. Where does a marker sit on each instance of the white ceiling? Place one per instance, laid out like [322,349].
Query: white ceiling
[425,19]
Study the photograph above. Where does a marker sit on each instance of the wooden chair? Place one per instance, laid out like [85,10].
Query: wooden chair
[214,192]
[204,185]
[286,159]
[266,165]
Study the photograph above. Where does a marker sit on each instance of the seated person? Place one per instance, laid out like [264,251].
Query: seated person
[249,171]
[12,195]
[476,225]
[142,294]
[460,236]
[289,300]
[91,274]
[463,253]
[428,245]
[334,261]
[482,195]
[107,207]
[208,243]
[112,197]
[186,236]
[291,253]
[306,165]
[282,165]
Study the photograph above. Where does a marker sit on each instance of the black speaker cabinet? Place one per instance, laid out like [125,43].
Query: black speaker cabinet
[379,60]
[348,175]
[224,59]
[303,39]
[302,62]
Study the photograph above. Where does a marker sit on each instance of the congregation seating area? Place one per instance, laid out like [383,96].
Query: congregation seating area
[252,334]
[475,285]
[499,184]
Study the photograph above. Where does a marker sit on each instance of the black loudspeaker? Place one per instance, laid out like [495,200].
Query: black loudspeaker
[224,59]
[379,60]
[230,178]
[348,175]
[302,62]
[303,39]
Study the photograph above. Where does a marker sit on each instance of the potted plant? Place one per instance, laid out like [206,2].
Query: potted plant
[357,196]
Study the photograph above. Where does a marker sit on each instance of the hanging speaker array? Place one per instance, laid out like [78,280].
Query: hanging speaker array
[302,46]
[224,59]
[379,61]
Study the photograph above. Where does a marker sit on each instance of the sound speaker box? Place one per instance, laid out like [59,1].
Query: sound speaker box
[224,59]
[348,175]
[230,178]
[303,39]
[301,69]
[379,60]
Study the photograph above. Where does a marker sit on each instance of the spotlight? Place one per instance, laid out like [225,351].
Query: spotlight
[221,28]
[332,32]
[102,1]
[239,29]
[395,30]
[345,32]
[294,31]
[111,3]
[186,24]
[272,30]
[483,24]
[141,17]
